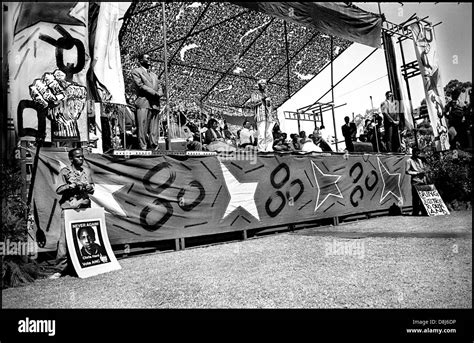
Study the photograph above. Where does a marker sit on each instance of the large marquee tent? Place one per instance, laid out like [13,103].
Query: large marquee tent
[216,51]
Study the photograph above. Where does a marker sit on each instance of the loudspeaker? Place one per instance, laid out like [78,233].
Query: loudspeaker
[363,147]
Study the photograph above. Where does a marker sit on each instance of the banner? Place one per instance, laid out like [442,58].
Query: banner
[88,242]
[106,62]
[333,18]
[48,60]
[168,197]
[427,56]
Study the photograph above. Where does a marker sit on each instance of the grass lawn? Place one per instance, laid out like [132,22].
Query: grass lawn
[384,262]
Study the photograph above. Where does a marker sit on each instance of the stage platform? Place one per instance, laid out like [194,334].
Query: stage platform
[167,196]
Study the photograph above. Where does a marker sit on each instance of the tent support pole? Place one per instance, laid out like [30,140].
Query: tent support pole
[287,61]
[165,57]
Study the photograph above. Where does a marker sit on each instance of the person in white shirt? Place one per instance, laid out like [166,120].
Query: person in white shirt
[191,144]
[265,117]
[309,146]
[246,136]
[325,135]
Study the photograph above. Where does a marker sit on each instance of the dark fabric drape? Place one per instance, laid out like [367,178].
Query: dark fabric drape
[393,75]
[333,18]
[91,78]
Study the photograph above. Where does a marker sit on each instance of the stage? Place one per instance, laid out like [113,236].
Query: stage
[167,195]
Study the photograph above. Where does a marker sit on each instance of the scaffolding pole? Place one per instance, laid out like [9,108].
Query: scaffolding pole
[332,92]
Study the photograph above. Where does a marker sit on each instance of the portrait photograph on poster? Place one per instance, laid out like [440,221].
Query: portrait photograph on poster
[88,243]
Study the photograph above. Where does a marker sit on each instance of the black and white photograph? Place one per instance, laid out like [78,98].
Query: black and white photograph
[237,160]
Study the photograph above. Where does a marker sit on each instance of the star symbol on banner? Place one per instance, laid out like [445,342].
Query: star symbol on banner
[241,194]
[31,13]
[391,183]
[103,197]
[326,184]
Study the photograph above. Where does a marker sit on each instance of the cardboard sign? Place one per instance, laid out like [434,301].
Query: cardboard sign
[431,200]
[88,243]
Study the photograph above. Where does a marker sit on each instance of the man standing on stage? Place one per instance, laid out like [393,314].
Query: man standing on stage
[149,91]
[391,119]
[264,116]
[348,131]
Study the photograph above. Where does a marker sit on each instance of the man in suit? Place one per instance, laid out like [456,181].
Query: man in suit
[348,131]
[149,92]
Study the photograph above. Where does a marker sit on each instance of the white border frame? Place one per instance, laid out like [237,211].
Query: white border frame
[84,215]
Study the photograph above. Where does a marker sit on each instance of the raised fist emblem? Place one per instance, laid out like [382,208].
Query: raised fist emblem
[64,100]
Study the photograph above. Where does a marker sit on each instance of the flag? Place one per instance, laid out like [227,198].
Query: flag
[427,56]
[106,63]
[48,60]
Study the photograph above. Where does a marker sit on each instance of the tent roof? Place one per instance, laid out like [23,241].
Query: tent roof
[217,51]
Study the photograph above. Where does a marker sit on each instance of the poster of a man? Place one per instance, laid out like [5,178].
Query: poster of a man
[88,242]
[90,250]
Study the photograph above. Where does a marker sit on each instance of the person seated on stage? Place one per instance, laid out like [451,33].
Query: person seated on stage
[191,144]
[280,143]
[303,138]
[229,137]
[295,144]
[309,146]
[325,134]
[213,133]
[246,136]
[319,141]
[214,139]
[368,130]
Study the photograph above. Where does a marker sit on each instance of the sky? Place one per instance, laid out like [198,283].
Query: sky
[454,34]
[367,85]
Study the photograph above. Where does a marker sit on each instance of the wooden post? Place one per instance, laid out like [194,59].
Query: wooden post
[176,244]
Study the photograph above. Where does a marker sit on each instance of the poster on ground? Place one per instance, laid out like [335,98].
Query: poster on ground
[432,201]
[88,243]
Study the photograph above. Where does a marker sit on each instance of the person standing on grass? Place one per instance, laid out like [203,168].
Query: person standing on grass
[75,186]
[417,169]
